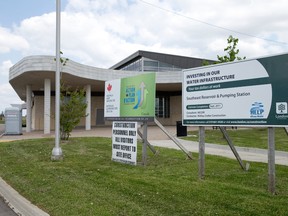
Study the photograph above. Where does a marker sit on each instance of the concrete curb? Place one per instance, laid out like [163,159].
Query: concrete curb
[18,203]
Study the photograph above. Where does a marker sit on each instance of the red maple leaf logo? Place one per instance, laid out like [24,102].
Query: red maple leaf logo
[109,87]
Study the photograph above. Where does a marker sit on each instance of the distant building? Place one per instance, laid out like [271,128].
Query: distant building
[144,61]
[33,79]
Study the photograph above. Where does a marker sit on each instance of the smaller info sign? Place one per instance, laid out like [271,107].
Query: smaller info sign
[124,142]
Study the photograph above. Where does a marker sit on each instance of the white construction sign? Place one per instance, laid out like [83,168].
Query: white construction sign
[124,142]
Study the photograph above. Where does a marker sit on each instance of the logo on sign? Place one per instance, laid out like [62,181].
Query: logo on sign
[257,110]
[141,96]
[281,108]
[109,87]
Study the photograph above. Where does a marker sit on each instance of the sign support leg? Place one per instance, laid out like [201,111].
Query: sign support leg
[144,146]
[271,160]
[286,130]
[189,154]
[201,152]
[232,147]
[151,147]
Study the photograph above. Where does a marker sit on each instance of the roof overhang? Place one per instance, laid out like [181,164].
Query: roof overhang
[33,70]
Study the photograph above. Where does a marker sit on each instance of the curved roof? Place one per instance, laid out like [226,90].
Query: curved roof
[33,70]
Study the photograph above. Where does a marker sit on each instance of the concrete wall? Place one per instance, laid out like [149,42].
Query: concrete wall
[175,109]
[96,103]
[38,113]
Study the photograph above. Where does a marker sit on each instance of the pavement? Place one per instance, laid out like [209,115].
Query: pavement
[18,205]
[246,154]
[5,210]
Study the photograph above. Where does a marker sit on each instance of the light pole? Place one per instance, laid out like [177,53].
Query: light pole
[57,151]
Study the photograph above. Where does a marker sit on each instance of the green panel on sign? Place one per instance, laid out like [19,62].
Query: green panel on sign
[138,96]
[198,106]
[231,84]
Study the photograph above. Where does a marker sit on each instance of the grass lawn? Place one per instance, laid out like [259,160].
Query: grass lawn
[248,137]
[87,182]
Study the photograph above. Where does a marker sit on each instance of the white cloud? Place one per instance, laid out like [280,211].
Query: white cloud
[258,18]
[8,96]
[4,68]
[39,33]
[101,33]
[11,41]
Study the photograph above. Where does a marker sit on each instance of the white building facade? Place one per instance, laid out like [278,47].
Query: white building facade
[33,79]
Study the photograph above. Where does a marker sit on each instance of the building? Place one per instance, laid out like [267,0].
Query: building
[33,79]
[143,61]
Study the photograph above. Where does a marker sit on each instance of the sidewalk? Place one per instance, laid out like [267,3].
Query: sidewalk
[155,136]
[246,154]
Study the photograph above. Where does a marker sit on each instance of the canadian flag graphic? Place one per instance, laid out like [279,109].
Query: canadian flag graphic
[109,87]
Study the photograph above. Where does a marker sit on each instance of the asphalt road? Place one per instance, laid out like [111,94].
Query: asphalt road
[5,210]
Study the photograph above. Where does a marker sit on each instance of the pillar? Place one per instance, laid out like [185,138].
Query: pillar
[29,108]
[47,105]
[88,108]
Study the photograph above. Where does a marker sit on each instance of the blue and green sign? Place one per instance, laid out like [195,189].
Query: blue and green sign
[131,98]
[244,93]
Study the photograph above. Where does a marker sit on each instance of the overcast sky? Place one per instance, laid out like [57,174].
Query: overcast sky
[102,32]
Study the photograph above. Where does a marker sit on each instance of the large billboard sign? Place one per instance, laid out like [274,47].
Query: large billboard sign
[244,93]
[130,98]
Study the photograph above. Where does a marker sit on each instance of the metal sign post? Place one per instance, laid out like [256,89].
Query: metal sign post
[57,151]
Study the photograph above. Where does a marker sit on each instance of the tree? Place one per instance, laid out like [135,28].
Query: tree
[231,50]
[72,106]
[72,109]
[1,115]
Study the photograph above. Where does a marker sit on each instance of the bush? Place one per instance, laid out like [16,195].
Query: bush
[72,109]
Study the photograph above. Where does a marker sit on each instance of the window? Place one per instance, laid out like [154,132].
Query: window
[134,66]
[167,67]
[145,64]
[162,107]
[150,65]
